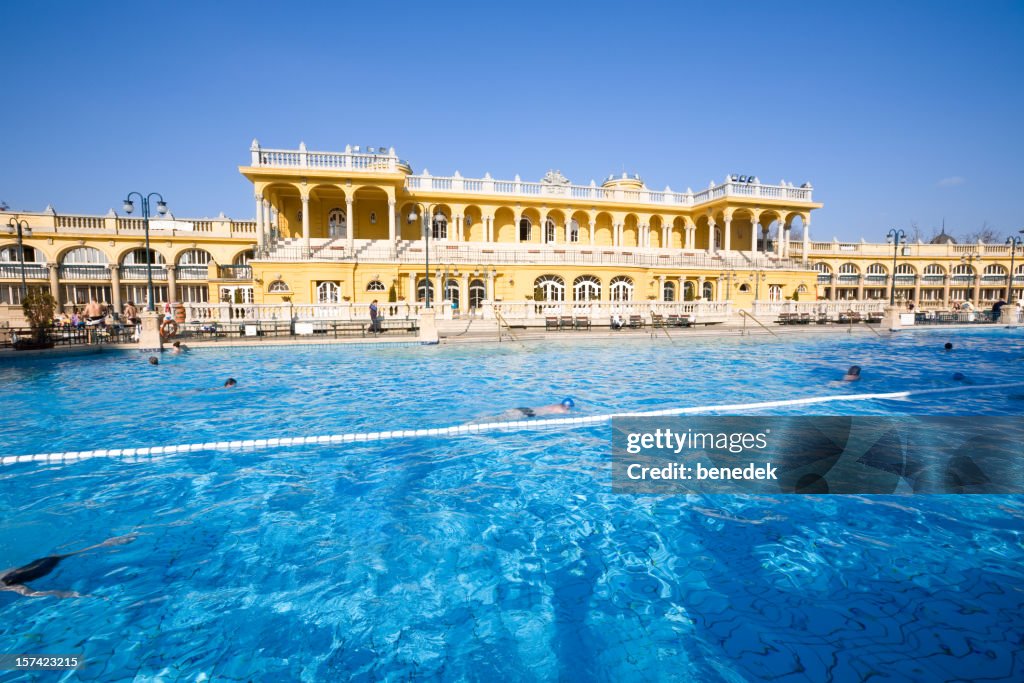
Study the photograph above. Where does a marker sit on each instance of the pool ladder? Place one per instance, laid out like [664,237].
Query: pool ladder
[746,314]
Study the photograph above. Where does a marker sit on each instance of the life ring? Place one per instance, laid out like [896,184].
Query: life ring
[168,329]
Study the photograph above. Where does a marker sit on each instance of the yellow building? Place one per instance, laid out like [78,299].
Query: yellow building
[337,229]
[350,226]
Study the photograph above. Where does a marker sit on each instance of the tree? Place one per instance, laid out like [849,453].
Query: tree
[39,307]
[986,233]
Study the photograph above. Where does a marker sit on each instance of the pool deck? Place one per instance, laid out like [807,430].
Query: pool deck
[486,332]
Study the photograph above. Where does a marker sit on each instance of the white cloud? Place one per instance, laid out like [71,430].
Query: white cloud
[951,181]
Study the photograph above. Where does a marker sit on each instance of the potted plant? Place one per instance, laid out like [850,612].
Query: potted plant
[39,307]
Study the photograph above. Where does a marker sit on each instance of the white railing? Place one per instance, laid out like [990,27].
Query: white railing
[33,271]
[774,308]
[603,311]
[239,313]
[458,184]
[477,253]
[381,160]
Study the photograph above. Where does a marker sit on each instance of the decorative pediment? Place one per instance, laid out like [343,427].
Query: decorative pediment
[555,178]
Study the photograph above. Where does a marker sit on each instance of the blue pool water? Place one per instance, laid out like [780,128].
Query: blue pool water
[502,556]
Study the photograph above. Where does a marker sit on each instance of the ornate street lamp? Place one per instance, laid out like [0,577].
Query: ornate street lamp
[161,208]
[894,237]
[1014,243]
[23,229]
[426,236]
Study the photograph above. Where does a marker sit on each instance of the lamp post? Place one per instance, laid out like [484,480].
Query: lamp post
[161,207]
[426,236]
[1014,243]
[21,226]
[894,237]
[973,283]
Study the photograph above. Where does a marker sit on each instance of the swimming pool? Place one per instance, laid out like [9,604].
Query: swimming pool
[501,556]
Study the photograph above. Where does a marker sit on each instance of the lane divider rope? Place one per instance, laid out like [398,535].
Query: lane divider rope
[480,428]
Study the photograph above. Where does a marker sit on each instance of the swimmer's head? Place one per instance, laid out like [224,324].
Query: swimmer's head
[959,376]
[854,371]
[568,403]
[948,346]
[230,382]
[153,360]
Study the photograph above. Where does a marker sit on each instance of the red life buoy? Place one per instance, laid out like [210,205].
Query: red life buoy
[168,329]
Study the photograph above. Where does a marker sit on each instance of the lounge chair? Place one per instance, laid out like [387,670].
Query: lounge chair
[550,323]
[565,322]
[636,322]
[823,319]
[582,322]
[805,318]
[657,320]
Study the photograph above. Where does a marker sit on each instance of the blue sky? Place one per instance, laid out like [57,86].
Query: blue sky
[897,112]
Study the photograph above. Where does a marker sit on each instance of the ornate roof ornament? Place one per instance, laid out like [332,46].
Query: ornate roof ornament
[555,178]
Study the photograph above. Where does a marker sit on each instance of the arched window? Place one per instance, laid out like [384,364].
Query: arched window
[278,287]
[549,288]
[848,269]
[877,269]
[243,258]
[823,268]
[934,269]
[586,288]
[194,257]
[328,293]
[422,287]
[524,230]
[477,293]
[905,269]
[774,292]
[574,231]
[549,231]
[709,292]
[995,269]
[11,254]
[87,256]
[439,230]
[140,257]
[452,292]
[337,223]
[668,292]
[375,286]
[802,289]
[963,270]
[688,290]
[745,288]
[621,288]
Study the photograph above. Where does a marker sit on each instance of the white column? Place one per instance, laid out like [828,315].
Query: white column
[458,228]
[785,243]
[266,218]
[727,236]
[260,236]
[661,288]
[515,226]
[753,235]
[412,288]
[305,222]
[666,233]
[464,292]
[645,239]
[778,239]
[490,286]
[807,243]
[712,247]
[488,228]
[351,224]
[699,294]
[593,229]
[617,234]
[568,230]
[392,224]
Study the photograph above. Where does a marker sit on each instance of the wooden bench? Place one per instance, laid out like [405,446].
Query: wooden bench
[565,322]
[636,322]
[657,320]
[551,323]
[582,322]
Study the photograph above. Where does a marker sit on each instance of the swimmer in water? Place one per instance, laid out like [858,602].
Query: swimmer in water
[516,414]
[15,580]
[230,382]
[948,346]
[962,378]
[853,374]
[153,360]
